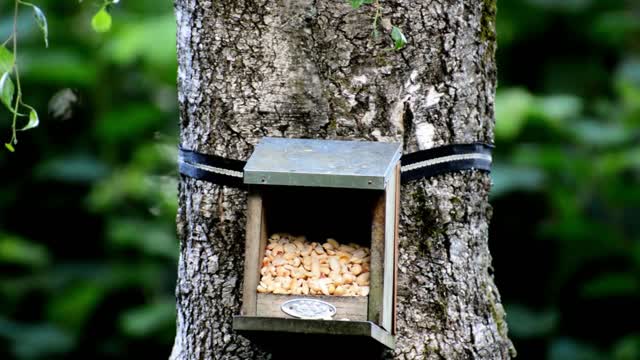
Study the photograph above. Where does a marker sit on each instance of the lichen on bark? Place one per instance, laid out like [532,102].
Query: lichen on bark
[311,69]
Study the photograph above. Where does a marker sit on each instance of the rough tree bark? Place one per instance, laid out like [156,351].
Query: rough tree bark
[312,69]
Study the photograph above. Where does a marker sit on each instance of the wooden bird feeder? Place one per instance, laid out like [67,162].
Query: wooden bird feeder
[344,190]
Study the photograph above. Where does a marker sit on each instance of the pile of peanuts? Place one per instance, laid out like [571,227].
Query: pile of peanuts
[294,266]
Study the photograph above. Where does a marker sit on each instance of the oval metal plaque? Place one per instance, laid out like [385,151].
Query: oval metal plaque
[308,309]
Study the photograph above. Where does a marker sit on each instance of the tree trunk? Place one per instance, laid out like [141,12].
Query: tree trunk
[313,69]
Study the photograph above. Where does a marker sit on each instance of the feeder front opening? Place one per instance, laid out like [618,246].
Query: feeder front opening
[318,238]
[318,246]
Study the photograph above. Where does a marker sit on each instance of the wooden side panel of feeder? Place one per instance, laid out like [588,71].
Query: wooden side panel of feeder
[396,251]
[383,256]
[389,254]
[376,291]
[353,308]
[256,240]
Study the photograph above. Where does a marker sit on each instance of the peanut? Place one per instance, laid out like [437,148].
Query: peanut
[291,265]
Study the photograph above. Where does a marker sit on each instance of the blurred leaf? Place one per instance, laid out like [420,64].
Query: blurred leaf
[628,348]
[156,156]
[636,253]
[512,108]
[628,83]
[145,320]
[140,40]
[36,341]
[72,168]
[9,147]
[564,5]
[128,122]
[570,223]
[72,67]
[629,71]
[42,341]
[507,178]
[131,184]
[615,27]
[631,98]
[150,275]
[566,75]
[557,108]
[72,307]
[8,328]
[101,21]
[7,60]
[16,250]
[148,237]
[594,238]
[600,134]
[158,193]
[122,187]
[568,349]
[167,203]
[615,284]
[614,162]
[556,160]
[63,276]
[7,91]
[519,20]
[525,323]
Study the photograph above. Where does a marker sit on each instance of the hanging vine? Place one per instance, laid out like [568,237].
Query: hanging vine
[11,95]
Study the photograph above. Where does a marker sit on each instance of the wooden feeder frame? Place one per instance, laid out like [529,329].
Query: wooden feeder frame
[294,162]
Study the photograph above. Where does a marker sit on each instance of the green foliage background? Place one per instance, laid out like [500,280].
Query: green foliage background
[87,242]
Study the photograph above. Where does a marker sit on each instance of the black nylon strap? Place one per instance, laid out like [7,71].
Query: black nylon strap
[200,174]
[444,159]
[446,150]
[211,160]
[417,165]
[211,168]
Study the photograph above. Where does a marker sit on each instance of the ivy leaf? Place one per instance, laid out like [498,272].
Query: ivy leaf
[41,20]
[357,3]
[34,120]
[7,60]
[9,147]
[101,21]
[7,90]
[399,40]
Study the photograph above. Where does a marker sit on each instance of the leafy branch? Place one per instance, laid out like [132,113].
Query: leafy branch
[399,40]
[11,93]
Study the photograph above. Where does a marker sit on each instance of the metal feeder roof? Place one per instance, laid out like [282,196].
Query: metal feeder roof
[322,163]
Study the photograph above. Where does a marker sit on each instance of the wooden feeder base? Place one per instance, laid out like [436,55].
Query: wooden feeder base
[280,334]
